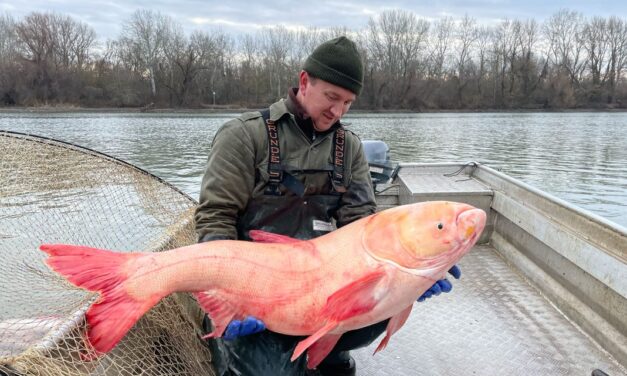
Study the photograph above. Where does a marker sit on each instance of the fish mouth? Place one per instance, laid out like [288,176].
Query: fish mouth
[470,223]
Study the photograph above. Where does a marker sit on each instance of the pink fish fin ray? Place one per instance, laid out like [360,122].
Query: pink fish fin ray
[356,298]
[395,323]
[320,349]
[309,341]
[260,236]
[102,271]
[219,310]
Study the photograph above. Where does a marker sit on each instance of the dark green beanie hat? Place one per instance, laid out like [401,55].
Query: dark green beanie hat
[337,62]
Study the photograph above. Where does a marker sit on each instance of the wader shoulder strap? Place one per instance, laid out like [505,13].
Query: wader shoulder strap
[274,162]
[337,177]
[277,175]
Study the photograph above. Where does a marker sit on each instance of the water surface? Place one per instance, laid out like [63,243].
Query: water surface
[579,157]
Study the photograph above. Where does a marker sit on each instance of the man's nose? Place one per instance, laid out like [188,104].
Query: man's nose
[336,110]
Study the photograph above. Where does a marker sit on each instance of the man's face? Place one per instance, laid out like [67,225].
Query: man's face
[325,103]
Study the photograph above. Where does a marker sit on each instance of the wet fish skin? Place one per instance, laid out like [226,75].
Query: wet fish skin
[368,271]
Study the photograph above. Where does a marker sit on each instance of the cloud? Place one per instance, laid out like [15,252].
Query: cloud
[6,7]
[244,16]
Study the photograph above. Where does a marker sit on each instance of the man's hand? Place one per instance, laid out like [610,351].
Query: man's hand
[237,328]
[442,285]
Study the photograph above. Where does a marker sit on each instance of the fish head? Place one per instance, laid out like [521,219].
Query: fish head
[424,238]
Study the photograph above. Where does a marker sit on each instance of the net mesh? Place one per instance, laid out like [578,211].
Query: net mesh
[54,192]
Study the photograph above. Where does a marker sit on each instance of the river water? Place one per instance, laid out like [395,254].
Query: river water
[579,157]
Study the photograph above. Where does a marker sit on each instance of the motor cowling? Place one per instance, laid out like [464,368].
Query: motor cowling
[382,170]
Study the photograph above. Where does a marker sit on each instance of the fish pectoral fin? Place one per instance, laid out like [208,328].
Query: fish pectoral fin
[395,323]
[320,349]
[354,299]
[260,236]
[219,310]
[309,341]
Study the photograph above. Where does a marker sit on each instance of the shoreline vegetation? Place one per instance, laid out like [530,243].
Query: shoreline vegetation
[568,62]
[237,110]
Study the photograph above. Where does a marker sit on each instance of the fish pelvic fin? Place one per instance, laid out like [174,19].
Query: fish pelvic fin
[395,323]
[309,341]
[98,270]
[320,349]
[219,310]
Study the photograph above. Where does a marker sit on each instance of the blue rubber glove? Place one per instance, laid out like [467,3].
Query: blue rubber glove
[442,285]
[237,328]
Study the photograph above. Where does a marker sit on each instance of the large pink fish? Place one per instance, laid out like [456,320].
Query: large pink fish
[368,271]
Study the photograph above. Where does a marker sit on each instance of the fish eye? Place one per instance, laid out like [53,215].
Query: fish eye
[440,226]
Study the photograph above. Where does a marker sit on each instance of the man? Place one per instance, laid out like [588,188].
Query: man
[292,170]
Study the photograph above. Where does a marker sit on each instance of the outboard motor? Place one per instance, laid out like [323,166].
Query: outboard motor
[381,169]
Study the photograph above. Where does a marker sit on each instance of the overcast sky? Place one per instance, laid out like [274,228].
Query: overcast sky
[237,16]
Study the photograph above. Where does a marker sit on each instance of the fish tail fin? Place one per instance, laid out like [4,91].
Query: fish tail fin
[98,270]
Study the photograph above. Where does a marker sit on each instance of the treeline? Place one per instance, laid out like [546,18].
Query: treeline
[568,61]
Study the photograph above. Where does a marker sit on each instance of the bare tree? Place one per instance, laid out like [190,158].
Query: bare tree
[527,39]
[8,38]
[37,44]
[564,32]
[277,43]
[73,41]
[84,41]
[617,49]
[509,43]
[189,58]
[466,34]
[409,62]
[395,41]
[595,41]
[482,47]
[304,43]
[250,67]
[440,43]
[8,60]
[144,37]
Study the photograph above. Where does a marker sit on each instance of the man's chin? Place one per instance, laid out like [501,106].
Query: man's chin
[327,123]
[322,126]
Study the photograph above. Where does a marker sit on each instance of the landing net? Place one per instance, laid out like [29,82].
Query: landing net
[55,192]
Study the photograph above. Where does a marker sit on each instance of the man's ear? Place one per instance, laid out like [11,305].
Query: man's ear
[303,79]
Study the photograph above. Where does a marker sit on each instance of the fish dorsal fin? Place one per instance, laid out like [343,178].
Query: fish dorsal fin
[260,236]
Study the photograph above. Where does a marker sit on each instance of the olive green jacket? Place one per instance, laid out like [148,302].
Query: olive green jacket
[237,170]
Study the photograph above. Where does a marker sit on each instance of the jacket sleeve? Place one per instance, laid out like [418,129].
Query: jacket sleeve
[358,201]
[227,183]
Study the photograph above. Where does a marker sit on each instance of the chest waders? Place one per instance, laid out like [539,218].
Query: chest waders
[293,213]
[300,216]
[290,213]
